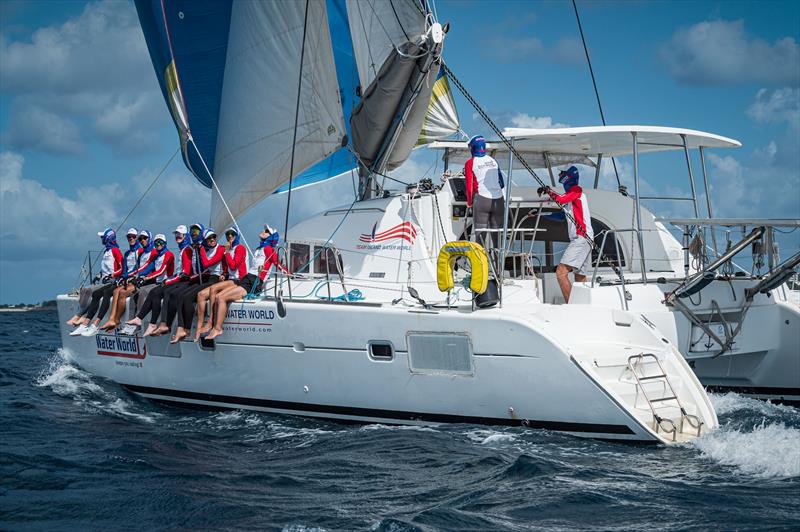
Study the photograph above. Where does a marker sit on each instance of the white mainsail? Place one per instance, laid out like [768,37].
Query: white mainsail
[259,99]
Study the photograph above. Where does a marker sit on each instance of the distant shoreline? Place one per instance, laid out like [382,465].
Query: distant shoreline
[28,309]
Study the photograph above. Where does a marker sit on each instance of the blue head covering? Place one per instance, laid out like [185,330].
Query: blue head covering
[208,232]
[235,238]
[187,241]
[568,178]
[272,239]
[150,244]
[199,238]
[477,146]
[109,237]
[163,249]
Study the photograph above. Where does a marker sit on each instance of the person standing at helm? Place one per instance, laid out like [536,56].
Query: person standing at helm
[484,190]
[577,257]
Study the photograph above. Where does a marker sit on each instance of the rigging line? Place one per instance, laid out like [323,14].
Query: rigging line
[221,197]
[516,154]
[139,201]
[594,82]
[391,3]
[296,117]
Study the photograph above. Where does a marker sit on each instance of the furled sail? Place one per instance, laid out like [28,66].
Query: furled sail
[234,68]
[380,26]
[397,46]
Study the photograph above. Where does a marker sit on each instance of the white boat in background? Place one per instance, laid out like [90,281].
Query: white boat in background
[739,328]
[373,325]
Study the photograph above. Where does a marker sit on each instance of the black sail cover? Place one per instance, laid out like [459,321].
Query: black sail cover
[400,91]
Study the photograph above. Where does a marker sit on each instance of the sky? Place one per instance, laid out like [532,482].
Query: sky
[84,129]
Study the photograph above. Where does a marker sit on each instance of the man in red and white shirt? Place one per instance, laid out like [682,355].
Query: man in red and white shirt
[484,191]
[577,257]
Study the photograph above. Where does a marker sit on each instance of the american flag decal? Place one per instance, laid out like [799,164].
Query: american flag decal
[405,231]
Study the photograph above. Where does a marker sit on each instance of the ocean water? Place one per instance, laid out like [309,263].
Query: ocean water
[78,452]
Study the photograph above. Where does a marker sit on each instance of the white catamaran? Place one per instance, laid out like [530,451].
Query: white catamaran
[738,327]
[374,325]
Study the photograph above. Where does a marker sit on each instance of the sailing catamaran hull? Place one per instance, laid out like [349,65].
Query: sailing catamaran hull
[517,376]
[764,361]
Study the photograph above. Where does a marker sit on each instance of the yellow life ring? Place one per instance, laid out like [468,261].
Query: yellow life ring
[477,258]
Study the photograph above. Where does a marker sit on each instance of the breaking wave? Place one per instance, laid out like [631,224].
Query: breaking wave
[762,439]
[69,381]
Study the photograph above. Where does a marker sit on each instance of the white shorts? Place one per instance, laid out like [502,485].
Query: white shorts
[578,255]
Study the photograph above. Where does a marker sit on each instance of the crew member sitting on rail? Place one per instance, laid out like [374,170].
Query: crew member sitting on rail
[152,304]
[265,260]
[110,270]
[134,266]
[236,261]
[577,257]
[211,268]
[484,191]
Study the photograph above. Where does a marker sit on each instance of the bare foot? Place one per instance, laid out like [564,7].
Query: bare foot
[213,334]
[73,320]
[134,321]
[109,326]
[162,329]
[202,330]
[150,330]
[180,334]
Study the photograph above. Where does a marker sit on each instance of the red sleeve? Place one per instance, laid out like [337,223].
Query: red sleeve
[117,262]
[573,194]
[472,181]
[186,260]
[150,259]
[270,259]
[167,266]
[214,259]
[240,258]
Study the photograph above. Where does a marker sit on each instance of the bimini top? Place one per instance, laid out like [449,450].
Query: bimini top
[610,141]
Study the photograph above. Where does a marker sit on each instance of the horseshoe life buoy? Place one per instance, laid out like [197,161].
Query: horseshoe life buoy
[477,258]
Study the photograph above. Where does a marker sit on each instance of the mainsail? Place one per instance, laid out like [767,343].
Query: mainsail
[234,75]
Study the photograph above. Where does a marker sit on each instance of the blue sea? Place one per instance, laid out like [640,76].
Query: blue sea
[80,453]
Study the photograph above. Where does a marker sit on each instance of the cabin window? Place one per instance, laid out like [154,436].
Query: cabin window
[381,350]
[299,256]
[327,261]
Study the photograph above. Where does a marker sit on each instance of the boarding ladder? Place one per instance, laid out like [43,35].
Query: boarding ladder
[667,399]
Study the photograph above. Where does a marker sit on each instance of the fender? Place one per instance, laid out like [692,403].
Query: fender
[478,261]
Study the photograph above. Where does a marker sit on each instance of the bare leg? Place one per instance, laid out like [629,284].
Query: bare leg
[114,299]
[150,329]
[118,309]
[230,295]
[216,291]
[562,276]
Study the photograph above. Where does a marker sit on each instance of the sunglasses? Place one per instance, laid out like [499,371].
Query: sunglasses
[230,235]
[212,237]
[131,237]
[142,237]
[159,243]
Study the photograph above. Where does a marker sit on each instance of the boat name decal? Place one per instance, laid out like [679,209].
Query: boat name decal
[113,345]
[258,320]
[402,232]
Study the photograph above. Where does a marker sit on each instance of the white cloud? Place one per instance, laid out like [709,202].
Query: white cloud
[721,52]
[777,106]
[92,70]
[32,127]
[535,122]
[38,223]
